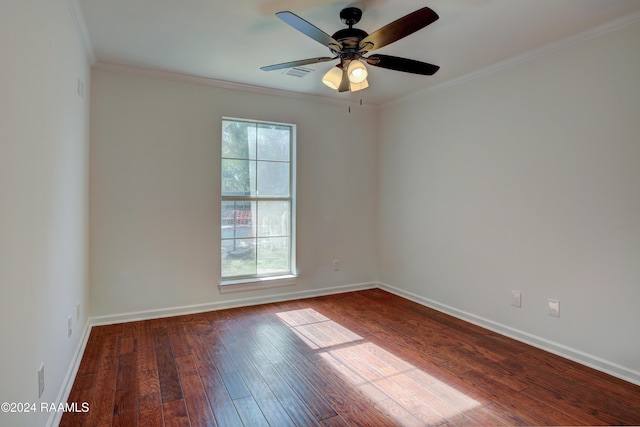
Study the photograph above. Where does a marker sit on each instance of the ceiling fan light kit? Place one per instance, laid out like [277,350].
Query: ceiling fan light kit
[350,45]
[333,77]
[354,87]
[357,71]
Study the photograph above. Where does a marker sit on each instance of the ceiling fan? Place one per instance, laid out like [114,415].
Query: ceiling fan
[350,45]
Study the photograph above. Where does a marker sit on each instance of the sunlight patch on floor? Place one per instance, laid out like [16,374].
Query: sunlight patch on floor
[404,392]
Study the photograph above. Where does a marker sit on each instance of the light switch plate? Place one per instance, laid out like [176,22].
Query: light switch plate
[516,298]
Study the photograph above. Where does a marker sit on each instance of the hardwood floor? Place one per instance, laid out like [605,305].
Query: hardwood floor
[364,358]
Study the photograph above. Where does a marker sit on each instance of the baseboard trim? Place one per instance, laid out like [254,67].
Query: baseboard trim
[234,303]
[67,384]
[70,377]
[577,356]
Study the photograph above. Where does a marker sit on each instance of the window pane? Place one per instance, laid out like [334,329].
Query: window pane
[273,142]
[256,206]
[238,257]
[273,255]
[238,220]
[273,179]
[238,140]
[273,219]
[238,177]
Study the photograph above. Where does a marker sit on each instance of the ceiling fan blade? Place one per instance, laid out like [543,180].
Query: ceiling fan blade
[345,84]
[402,64]
[309,30]
[398,29]
[297,63]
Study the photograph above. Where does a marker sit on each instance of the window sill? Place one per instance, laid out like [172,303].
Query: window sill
[229,286]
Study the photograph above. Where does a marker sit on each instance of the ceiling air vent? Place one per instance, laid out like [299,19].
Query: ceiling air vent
[298,72]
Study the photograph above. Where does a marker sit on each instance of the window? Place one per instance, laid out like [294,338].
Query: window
[258,201]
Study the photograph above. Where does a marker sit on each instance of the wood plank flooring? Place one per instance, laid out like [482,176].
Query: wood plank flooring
[365,358]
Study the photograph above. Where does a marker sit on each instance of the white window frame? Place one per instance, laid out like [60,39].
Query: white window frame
[253,282]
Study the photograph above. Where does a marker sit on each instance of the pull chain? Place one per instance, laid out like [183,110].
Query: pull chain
[350,105]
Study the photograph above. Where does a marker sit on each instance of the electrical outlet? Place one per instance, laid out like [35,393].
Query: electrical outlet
[77,312]
[41,381]
[336,265]
[69,326]
[516,298]
[554,308]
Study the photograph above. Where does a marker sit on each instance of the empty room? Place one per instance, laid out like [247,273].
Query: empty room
[319,213]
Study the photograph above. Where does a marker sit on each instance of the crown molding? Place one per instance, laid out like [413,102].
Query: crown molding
[597,31]
[82,30]
[221,84]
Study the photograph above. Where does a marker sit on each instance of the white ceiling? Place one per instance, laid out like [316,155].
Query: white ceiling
[230,40]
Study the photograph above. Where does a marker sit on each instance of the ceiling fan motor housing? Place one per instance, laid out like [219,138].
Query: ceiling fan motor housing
[349,38]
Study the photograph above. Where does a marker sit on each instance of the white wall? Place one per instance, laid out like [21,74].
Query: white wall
[43,200]
[526,179]
[155,184]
